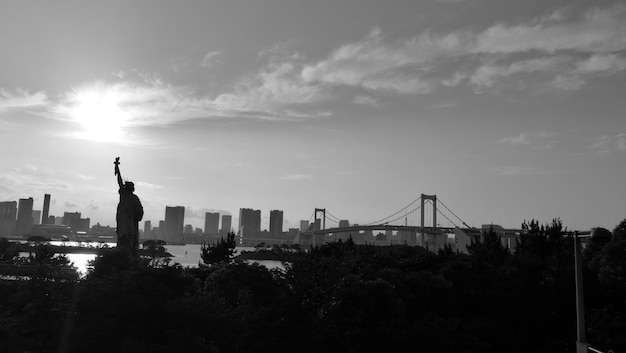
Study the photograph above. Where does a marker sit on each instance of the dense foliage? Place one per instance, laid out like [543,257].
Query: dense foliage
[339,297]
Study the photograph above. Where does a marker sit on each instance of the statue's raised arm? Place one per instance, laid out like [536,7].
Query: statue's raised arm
[120,183]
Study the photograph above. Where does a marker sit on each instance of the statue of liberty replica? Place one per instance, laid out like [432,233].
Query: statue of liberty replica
[129,213]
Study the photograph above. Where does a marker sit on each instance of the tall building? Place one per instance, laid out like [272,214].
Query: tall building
[71,219]
[227,224]
[8,216]
[249,222]
[304,225]
[147,227]
[276,223]
[46,209]
[211,223]
[24,216]
[174,219]
[36,217]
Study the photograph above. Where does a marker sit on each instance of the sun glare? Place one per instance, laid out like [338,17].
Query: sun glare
[100,114]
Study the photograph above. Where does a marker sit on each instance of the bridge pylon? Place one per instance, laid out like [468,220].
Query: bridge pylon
[433,199]
[323,212]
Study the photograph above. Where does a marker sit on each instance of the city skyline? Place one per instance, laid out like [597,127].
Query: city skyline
[508,111]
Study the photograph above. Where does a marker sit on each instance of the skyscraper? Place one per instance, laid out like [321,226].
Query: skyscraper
[276,223]
[304,225]
[227,221]
[211,223]
[174,219]
[36,217]
[46,209]
[249,221]
[147,229]
[25,216]
[8,215]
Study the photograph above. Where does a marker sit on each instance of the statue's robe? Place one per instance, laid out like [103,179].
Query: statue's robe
[129,213]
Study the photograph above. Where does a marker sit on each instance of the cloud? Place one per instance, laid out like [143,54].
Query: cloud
[20,99]
[364,100]
[69,204]
[372,63]
[93,205]
[538,140]
[598,30]
[296,177]
[516,171]
[211,58]
[149,186]
[488,75]
[609,144]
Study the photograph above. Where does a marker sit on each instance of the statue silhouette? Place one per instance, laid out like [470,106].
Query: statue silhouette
[129,213]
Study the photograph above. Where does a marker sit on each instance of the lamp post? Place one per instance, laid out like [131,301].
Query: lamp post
[581,340]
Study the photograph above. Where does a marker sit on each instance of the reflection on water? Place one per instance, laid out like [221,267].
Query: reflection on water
[186,255]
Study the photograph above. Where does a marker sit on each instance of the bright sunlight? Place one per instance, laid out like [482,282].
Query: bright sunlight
[99,111]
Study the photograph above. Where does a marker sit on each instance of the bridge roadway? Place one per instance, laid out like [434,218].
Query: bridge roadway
[382,227]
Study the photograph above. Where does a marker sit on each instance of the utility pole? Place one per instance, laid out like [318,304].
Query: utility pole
[581,340]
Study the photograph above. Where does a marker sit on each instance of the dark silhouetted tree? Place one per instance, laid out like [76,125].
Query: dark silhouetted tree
[222,251]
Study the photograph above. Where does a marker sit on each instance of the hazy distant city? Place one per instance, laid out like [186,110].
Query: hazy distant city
[21,219]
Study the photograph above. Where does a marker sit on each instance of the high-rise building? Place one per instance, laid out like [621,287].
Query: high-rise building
[304,225]
[71,219]
[8,216]
[36,217]
[276,223]
[249,222]
[46,209]
[174,220]
[227,224]
[24,216]
[211,223]
[147,228]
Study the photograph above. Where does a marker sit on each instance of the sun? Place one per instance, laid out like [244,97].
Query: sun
[99,111]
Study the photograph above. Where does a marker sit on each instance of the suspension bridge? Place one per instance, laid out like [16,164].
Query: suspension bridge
[426,221]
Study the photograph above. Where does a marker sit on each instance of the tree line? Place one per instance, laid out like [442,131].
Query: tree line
[338,297]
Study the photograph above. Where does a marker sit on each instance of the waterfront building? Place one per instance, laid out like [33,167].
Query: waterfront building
[304,225]
[227,221]
[8,216]
[36,217]
[24,223]
[249,222]
[45,216]
[174,220]
[211,223]
[276,223]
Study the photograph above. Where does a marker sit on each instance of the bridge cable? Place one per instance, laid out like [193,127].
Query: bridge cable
[457,217]
[380,221]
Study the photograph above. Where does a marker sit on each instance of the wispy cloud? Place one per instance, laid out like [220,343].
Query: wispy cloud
[374,64]
[296,177]
[607,144]
[557,51]
[211,58]
[516,171]
[597,31]
[20,99]
[365,100]
[537,140]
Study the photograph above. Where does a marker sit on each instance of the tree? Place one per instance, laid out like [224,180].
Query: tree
[222,251]
[489,248]
[620,230]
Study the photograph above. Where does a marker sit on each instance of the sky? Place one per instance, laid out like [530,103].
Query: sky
[506,110]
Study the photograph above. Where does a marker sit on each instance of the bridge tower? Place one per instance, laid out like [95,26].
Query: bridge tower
[433,199]
[323,212]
